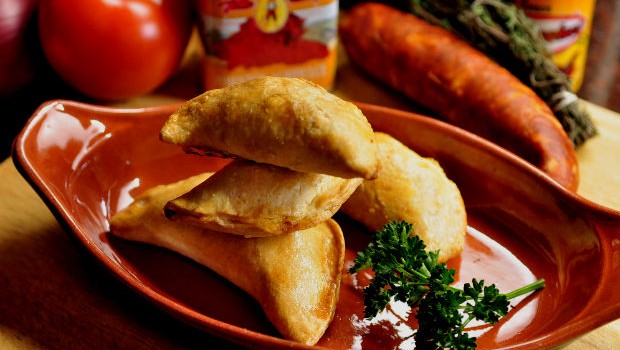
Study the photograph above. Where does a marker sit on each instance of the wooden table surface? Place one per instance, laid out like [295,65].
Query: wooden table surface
[55,296]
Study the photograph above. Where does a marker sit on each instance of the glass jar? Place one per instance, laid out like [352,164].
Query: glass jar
[244,39]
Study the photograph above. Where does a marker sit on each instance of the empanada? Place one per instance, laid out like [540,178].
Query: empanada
[257,200]
[414,189]
[294,277]
[288,122]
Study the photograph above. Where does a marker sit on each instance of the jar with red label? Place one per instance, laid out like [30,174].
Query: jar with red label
[244,39]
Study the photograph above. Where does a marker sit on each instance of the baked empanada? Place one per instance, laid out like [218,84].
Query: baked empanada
[288,122]
[257,200]
[414,189]
[294,277]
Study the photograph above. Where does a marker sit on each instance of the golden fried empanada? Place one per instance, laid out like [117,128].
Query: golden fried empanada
[414,189]
[288,122]
[295,277]
[257,200]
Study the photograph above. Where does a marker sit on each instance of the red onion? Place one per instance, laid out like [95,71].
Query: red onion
[16,65]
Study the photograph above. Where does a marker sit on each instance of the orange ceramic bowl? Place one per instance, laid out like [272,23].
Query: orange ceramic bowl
[88,162]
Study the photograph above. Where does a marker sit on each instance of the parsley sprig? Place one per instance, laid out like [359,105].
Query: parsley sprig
[405,271]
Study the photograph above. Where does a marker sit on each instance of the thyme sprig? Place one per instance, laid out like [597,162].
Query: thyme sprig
[503,32]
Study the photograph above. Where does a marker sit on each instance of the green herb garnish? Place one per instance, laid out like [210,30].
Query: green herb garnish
[406,272]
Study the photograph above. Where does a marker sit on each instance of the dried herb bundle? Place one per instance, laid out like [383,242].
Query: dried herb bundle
[504,32]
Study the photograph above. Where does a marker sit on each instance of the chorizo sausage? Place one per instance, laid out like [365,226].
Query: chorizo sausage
[462,85]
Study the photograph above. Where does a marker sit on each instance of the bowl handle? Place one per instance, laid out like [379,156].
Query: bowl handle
[606,305]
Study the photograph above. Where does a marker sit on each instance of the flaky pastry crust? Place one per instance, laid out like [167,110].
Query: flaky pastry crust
[289,122]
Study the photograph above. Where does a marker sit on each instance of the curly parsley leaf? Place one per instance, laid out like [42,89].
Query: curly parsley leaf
[405,271]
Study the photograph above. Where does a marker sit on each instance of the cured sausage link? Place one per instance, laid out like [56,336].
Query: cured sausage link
[443,73]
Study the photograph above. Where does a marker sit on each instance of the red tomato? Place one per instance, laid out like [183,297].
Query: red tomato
[114,49]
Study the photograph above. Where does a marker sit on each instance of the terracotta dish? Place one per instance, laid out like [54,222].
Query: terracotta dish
[88,162]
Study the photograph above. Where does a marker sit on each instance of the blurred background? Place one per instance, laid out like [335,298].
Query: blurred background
[602,76]
[27,78]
